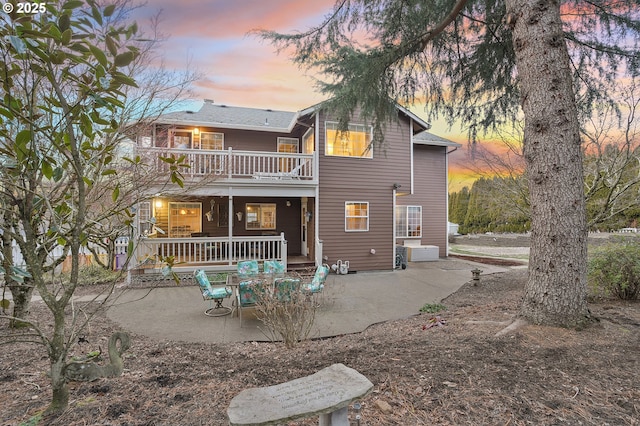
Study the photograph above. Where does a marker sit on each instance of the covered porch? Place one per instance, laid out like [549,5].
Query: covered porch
[216,232]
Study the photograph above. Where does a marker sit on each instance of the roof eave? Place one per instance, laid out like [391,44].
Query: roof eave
[438,143]
[228,126]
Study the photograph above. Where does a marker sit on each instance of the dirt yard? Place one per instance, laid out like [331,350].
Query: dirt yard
[458,373]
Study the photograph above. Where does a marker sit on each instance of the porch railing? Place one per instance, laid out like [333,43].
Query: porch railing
[208,251]
[234,164]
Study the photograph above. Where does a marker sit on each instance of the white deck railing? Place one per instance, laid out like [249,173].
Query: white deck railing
[212,251]
[233,164]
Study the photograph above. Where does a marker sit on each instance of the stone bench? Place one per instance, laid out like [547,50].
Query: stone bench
[326,394]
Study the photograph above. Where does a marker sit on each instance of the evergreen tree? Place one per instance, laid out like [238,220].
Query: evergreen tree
[485,63]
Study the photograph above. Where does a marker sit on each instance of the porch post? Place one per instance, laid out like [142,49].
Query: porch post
[283,244]
[231,251]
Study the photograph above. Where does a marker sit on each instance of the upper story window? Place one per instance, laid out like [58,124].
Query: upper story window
[408,221]
[212,140]
[288,145]
[180,138]
[356,142]
[309,141]
[356,216]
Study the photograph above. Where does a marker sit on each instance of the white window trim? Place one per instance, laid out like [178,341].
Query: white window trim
[260,206]
[171,135]
[211,133]
[171,219]
[405,234]
[287,140]
[309,134]
[145,227]
[368,217]
[326,145]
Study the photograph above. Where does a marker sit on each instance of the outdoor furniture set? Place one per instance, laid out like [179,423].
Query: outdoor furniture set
[248,283]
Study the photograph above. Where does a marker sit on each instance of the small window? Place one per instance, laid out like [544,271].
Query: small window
[212,140]
[290,146]
[355,142]
[260,216]
[309,141]
[356,216]
[180,139]
[184,219]
[144,217]
[408,221]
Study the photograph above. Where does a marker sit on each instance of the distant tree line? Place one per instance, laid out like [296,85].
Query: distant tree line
[501,203]
[487,208]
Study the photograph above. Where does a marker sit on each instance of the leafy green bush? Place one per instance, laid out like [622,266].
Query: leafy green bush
[614,270]
[433,308]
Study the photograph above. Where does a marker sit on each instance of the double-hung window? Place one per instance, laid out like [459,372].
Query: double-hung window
[260,216]
[408,221]
[212,140]
[180,138]
[184,219]
[356,216]
[290,146]
[355,142]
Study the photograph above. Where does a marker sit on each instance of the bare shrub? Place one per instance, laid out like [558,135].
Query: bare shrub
[287,312]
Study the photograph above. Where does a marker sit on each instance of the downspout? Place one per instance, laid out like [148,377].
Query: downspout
[393,224]
[411,153]
[231,252]
[446,158]
[319,254]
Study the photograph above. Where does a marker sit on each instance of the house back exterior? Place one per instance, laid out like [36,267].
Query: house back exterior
[265,184]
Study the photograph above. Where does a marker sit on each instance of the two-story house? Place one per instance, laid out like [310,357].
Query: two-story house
[268,184]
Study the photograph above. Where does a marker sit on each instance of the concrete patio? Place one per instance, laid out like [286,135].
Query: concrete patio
[349,304]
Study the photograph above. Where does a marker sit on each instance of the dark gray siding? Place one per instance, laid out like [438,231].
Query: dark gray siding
[287,218]
[244,140]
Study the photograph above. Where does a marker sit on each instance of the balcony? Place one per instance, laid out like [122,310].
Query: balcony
[235,165]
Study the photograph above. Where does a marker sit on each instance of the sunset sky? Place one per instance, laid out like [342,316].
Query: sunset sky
[242,70]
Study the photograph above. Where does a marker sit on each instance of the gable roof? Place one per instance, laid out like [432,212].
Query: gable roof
[421,124]
[231,117]
[268,120]
[426,138]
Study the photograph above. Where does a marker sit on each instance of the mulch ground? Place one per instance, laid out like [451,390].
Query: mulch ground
[457,373]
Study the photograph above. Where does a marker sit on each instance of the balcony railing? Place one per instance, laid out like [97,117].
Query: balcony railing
[230,164]
[215,251]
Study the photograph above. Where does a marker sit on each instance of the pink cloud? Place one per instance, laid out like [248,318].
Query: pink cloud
[226,19]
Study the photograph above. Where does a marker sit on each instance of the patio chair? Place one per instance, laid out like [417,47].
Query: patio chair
[212,294]
[248,294]
[248,268]
[285,287]
[273,267]
[317,283]
[295,173]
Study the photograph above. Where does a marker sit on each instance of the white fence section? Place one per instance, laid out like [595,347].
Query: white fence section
[121,244]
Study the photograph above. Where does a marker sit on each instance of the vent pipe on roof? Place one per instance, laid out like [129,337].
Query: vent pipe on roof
[266,121]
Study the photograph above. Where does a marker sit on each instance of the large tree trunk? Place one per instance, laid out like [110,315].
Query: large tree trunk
[555,293]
